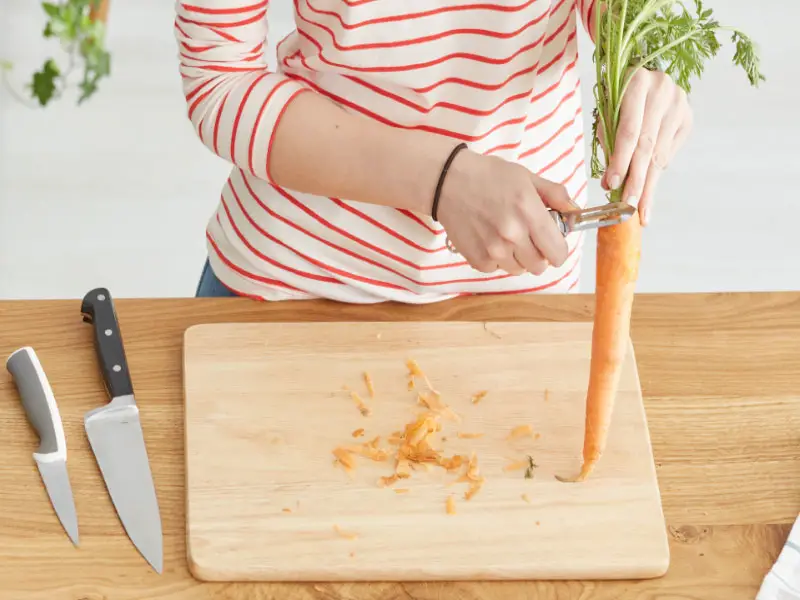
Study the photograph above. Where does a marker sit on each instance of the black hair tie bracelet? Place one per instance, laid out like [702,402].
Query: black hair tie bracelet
[437,195]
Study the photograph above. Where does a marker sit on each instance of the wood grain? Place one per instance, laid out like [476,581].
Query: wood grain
[265,409]
[742,535]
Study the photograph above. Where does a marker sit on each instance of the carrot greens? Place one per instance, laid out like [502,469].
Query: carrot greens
[662,35]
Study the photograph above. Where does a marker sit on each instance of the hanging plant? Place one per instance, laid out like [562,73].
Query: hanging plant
[79,26]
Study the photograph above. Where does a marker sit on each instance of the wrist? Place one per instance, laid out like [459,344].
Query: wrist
[442,176]
[411,164]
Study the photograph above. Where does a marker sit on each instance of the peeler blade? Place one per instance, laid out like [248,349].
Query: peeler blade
[593,217]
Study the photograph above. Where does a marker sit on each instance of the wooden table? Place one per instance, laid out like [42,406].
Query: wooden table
[722,389]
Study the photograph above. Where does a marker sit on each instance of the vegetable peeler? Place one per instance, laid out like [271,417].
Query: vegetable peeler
[593,217]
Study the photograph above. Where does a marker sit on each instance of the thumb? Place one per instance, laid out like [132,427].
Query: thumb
[554,195]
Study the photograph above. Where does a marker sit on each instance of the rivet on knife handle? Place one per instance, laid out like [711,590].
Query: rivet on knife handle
[42,413]
[98,309]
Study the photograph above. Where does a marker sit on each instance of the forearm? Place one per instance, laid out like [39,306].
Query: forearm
[319,148]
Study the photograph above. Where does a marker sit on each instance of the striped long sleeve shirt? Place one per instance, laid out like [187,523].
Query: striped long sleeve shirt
[501,75]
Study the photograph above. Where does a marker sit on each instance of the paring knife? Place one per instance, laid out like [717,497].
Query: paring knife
[115,435]
[42,413]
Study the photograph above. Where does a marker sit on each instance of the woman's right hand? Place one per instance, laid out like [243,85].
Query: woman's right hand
[495,214]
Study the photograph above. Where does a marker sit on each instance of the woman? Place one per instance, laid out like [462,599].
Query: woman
[405,150]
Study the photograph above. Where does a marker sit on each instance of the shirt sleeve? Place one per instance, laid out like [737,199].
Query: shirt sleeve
[586,8]
[234,101]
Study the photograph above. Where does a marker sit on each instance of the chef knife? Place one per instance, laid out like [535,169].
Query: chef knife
[42,413]
[115,434]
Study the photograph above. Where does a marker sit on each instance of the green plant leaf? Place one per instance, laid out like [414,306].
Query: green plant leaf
[88,87]
[52,10]
[660,35]
[43,86]
[69,21]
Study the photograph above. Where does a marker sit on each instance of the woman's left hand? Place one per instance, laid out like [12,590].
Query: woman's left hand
[655,119]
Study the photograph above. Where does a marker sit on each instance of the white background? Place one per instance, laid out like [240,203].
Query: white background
[117,193]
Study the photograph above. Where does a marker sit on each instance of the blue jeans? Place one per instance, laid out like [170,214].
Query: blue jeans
[211,287]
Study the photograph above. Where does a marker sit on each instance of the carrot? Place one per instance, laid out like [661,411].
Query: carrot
[617,267]
[629,36]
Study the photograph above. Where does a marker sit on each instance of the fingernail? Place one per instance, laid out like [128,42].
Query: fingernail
[646,216]
[614,181]
[633,201]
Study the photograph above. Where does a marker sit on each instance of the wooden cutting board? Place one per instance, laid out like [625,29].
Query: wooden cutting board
[265,408]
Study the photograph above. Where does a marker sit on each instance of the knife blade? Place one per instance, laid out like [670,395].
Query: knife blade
[42,413]
[115,434]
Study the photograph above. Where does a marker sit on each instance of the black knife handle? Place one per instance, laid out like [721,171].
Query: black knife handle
[98,309]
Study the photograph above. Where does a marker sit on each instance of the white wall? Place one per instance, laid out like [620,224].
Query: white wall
[117,192]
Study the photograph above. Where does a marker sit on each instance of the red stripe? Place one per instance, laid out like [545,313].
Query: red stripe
[273,239]
[360,240]
[395,235]
[545,92]
[241,271]
[225,25]
[412,67]
[436,61]
[561,102]
[538,288]
[561,27]
[573,284]
[221,34]
[377,117]
[416,219]
[227,69]
[220,110]
[274,131]
[294,201]
[200,130]
[208,60]
[475,84]
[555,135]
[239,112]
[229,288]
[418,40]
[428,13]
[226,36]
[314,261]
[197,49]
[509,146]
[448,105]
[561,156]
[203,96]
[192,94]
[580,190]
[179,28]
[560,54]
[231,10]
[575,170]
[254,131]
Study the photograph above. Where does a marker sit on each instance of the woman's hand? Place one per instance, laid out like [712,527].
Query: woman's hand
[655,119]
[495,214]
